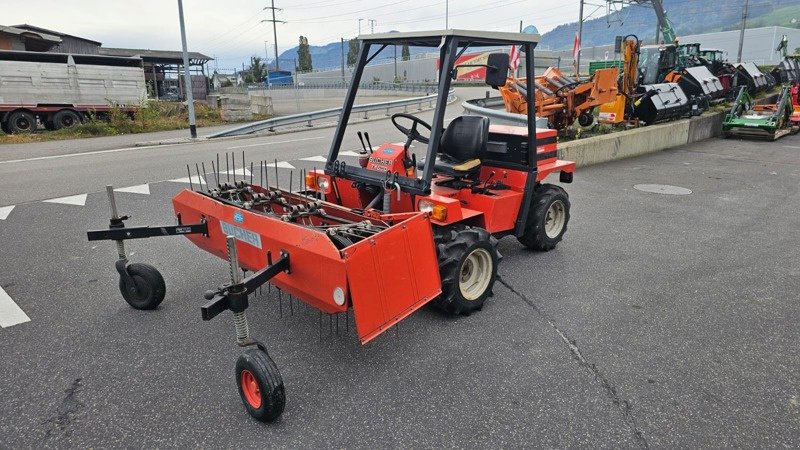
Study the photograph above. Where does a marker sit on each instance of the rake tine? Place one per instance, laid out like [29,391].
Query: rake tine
[269,288]
[330,324]
[227,168]
[277,180]
[244,167]
[233,164]
[280,302]
[266,173]
[191,186]
[205,175]
[216,171]
[291,172]
[261,172]
[199,178]
[251,172]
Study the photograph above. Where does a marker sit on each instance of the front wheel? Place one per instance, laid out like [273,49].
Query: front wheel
[21,122]
[468,261]
[144,288]
[260,385]
[547,218]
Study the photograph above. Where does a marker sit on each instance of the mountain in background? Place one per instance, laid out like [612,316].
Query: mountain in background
[687,17]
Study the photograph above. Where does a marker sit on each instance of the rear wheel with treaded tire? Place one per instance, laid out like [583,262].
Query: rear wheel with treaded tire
[66,119]
[547,218]
[21,122]
[468,260]
[148,290]
[260,385]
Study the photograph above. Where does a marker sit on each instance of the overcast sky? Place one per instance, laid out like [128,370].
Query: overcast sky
[231,30]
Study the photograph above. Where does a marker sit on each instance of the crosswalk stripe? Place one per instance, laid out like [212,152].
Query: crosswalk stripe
[315,159]
[10,313]
[76,200]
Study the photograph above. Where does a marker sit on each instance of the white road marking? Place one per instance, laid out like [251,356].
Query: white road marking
[349,153]
[76,200]
[791,146]
[195,180]
[10,313]
[5,211]
[280,165]
[98,152]
[277,142]
[140,189]
[245,172]
[315,159]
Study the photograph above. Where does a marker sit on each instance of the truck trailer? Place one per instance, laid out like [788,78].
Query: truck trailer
[57,90]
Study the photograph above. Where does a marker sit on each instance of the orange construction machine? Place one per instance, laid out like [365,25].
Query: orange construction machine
[562,100]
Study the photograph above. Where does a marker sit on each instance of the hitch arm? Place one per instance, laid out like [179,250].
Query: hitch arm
[234,296]
[122,233]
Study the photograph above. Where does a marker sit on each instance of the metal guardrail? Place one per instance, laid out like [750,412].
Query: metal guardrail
[494,109]
[311,84]
[309,117]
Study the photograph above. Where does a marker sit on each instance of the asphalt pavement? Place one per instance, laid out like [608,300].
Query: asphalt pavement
[660,320]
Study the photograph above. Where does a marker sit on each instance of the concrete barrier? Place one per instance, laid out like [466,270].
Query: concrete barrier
[625,144]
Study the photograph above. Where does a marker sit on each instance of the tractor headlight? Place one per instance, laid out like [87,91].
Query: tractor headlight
[425,206]
[323,183]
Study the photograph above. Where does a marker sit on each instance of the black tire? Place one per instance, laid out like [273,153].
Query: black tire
[586,119]
[542,231]
[149,289]
[260,385]
[464,253]
[21,122]
[66,119]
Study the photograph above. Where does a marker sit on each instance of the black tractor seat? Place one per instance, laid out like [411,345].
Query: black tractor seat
[462,145]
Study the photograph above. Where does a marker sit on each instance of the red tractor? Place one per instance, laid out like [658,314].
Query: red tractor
[432,220]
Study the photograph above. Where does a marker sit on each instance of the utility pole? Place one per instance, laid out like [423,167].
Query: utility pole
[359,26]
[343,80]
[580,39]
[187,79]
[741,33]
[447,14]
[372,25]
[275,23]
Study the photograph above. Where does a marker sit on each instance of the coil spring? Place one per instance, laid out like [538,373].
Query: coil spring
[242,329]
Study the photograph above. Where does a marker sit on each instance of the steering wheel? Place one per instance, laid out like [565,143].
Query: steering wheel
[411,133]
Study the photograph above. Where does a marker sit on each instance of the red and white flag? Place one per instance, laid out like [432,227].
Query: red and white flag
[576,47]
[514,58]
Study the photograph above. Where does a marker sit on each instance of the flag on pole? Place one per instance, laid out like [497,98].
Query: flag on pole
[576,47]
[514,58]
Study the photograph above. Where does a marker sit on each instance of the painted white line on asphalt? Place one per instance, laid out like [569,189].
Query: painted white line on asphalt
[277,142]
[315,159]
[140,189]
[281,165]
[98,152]
[791,146]
[76,200]
[195,180]
[245,172]
[5,211]
[349,153]
[10,313]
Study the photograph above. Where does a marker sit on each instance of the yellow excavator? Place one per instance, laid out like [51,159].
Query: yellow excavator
[619,109]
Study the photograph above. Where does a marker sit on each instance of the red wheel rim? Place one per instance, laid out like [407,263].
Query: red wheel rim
[252,393]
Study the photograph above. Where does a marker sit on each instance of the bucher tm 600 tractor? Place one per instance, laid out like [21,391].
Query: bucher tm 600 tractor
[383,237]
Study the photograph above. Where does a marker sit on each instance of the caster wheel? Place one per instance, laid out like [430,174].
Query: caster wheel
[260,385]
[148,287]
